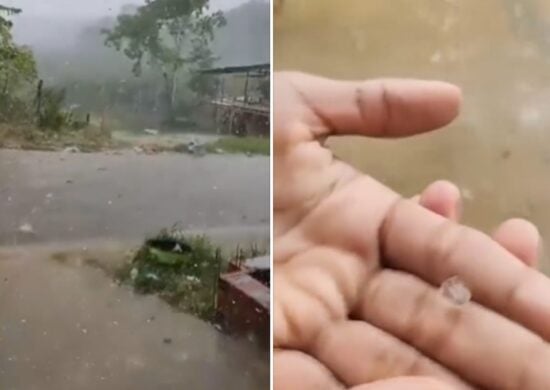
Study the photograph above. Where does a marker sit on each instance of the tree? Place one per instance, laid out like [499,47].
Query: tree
[7,11]
[17,64]
[169,36]
[203,85]
[6,42]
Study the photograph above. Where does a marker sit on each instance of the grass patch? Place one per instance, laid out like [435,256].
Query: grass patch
[28,137]
[183,271]
[241,145]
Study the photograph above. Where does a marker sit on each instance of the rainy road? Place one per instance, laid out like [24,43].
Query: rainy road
[64,323]
[66,197]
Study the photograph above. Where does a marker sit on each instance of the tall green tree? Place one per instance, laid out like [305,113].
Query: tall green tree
[4,10]
[15,61]
[169,36]
[17,64]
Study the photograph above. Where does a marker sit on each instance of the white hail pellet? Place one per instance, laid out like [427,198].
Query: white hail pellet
[455,290]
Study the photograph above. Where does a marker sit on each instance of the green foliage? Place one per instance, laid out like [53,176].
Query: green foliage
[16,63]
[163,31]
[51,114]
[17,70]
[5,23]
[167,35]
[241,145]
[203,85]
[14,109]
[182,271]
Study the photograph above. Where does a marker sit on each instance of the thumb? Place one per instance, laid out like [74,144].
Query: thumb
[406,383]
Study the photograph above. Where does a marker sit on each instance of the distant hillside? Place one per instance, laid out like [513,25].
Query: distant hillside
[73,49]
[246,38]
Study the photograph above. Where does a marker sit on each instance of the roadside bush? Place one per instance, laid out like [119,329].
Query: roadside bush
[50,112]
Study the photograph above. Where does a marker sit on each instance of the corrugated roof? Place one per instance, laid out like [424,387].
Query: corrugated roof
[238,69]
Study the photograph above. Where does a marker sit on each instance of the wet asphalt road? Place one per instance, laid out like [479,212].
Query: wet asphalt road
[66,197]
[66,325]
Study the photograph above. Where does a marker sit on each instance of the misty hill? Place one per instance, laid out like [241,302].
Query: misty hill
[246,38]
[71,48]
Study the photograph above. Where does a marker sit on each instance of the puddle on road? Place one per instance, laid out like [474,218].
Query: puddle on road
[66,324]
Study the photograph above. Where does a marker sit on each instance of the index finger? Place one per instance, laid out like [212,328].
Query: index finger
[434,248]
[376,108]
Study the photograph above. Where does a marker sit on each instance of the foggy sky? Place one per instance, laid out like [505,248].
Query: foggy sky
[83,9]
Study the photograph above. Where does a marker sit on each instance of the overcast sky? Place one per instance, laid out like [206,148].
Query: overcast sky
[90,8]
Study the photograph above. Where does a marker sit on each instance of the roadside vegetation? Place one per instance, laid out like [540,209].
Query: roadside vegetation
[241,145]
[156,51]
[182,270]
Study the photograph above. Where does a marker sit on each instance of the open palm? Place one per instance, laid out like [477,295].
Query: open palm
[357,266]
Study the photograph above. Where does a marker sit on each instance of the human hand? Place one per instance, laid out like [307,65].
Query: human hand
[341,316]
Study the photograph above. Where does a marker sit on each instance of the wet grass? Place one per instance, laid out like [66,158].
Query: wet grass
[93,139]
[27,137]
[182,270]
[240,145]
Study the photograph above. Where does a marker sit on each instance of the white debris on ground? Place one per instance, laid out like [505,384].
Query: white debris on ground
[192,279]
[151,131]
[134,273]
[456,290]
[71,149]
[152,276]
[192,147]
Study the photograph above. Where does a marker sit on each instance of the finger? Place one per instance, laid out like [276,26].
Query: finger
[311,291]
[477,344]
[377,108]
[296,370]
[433,248]
[441,197]
[518,236]
[407,383]
[521,238]
[357,352]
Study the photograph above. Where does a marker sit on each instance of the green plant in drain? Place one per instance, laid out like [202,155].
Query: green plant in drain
[182,271]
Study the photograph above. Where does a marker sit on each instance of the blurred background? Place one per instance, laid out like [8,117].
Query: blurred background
[497,51]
